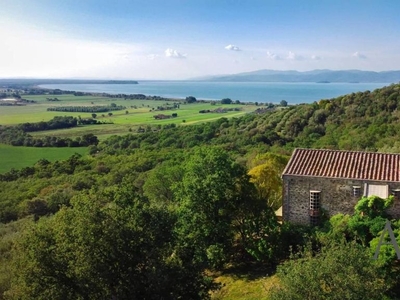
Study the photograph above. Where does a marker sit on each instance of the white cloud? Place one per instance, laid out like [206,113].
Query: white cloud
[359,55]
[232,48]
[174,54]
[316,57]
[273,56]
[152,56]
[294,56]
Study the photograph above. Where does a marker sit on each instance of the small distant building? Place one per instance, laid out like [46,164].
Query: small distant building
[334,181]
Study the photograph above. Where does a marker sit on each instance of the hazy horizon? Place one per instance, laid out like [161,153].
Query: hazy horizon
[204,77]
[180,40]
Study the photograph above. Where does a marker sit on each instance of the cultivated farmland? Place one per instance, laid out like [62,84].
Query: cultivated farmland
[138,116]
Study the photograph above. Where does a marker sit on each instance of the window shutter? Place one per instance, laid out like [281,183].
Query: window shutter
[381,191]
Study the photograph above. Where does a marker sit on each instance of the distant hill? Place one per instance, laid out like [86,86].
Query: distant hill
[320,76]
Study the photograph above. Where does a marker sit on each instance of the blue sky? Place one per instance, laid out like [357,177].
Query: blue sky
[175,39]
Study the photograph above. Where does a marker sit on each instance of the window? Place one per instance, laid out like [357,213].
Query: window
[315,199]
[381,191]
[356,191]
[315,204]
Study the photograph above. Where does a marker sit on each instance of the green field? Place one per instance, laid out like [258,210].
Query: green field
[20,157]
[141,115]
[123,121]
[138,113]
[37,112]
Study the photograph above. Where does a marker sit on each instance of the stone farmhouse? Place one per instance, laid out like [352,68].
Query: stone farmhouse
[334,181]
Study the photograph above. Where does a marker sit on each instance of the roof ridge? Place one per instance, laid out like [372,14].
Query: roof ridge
[349,151]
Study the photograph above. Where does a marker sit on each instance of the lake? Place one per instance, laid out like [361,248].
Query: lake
[293,93]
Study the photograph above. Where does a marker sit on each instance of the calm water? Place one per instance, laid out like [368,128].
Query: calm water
[273,92]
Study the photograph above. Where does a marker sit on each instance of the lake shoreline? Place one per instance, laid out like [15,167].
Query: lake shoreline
[293,93]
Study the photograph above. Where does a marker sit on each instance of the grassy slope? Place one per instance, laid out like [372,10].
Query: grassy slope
[237,286]
[20,157]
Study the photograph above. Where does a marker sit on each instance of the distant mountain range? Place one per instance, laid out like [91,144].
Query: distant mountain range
[320,76]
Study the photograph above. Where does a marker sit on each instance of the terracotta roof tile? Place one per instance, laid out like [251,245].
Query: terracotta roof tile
[344,164]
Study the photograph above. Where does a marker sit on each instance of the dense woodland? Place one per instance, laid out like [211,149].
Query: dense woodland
[153,215]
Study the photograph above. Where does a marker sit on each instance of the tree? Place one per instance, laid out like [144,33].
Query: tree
[338,271]
[110,114]
[89,139]
[212,190]
[190,99]
[387,255]
[158,185]
[226,101]
[365,227]
[94,116]
[369,218]
[122,250]
[266,176]
[36,207]
[283,103]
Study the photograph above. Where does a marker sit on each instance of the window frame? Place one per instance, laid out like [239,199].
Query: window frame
[356,191]
[314,207]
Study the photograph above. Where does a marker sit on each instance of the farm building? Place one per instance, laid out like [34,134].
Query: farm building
[334,181]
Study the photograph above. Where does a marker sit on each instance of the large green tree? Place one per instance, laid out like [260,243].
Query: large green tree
[212,191]
[120,250]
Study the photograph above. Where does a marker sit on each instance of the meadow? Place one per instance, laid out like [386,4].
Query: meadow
[20,157]
[138,114]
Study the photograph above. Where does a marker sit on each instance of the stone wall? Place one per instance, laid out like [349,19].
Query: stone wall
[336,196]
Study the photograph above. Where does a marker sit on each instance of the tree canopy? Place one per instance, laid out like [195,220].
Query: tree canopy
[119,250]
